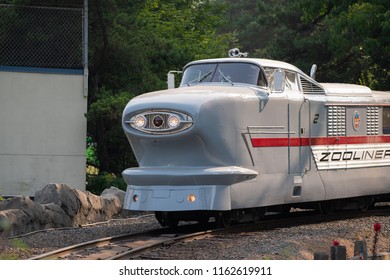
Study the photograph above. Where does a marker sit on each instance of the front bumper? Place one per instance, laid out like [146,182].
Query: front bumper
[186,176]
[170,188]
[177,198]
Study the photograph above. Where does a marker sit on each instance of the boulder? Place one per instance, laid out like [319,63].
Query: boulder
[58,205]
[56,217]
[60,194]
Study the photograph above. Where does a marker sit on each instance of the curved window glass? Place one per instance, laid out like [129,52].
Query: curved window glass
[245,73]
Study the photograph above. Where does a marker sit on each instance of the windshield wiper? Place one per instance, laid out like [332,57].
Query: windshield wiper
[226,79]
[201,78]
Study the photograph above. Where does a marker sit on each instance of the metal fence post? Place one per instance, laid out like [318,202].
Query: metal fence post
[321,256]
[338,252]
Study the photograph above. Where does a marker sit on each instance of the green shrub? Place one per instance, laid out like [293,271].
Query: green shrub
[98,183]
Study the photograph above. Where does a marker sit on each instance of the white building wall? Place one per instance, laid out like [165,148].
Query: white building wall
[42,131]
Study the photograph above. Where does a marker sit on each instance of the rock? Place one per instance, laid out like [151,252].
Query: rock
[113,200]
[115,192]
[60,194]
[121,196]
[56,217]
[14,222]
[58,205]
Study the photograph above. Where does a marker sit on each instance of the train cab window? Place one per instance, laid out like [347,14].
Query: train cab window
[245,73]
[198,73]
[268,72]
[291,81]
[262,80]
[276,79]
[386,120]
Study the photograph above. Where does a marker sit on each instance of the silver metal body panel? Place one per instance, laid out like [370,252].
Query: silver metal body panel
[167,198]
[250,147]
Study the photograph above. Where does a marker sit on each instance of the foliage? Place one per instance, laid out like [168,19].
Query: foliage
[96,184]
[241,20]
[113,152]
[348,40]
[377,230]
[19,245]
[91,153]
[133,45]
[8,256]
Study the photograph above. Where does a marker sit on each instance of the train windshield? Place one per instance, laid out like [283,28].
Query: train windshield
[230,73]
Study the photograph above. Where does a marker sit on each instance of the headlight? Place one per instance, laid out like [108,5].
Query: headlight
[160,121]
[173,121]
[140,121]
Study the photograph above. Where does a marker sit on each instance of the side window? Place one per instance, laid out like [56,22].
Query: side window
[277,81]
[268,73]
[291,81]
[386,120]
[262,80]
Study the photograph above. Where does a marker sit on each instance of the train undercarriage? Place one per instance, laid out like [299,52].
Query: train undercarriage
[237,216]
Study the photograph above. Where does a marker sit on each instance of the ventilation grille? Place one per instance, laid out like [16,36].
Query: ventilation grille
[336,121]
[372,120]
[310,88]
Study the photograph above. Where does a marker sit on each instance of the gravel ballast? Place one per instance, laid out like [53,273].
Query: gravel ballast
[281,243]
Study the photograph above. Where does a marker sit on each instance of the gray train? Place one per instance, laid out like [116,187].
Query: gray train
[241,136]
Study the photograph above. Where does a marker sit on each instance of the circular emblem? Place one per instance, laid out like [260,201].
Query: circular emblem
[356,120]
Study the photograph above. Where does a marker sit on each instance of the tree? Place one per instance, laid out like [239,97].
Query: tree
[133,45]
[348,40]
[242,22]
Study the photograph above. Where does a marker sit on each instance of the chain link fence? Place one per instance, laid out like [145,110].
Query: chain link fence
[48,37]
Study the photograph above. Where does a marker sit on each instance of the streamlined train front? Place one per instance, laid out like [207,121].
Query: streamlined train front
[188,141]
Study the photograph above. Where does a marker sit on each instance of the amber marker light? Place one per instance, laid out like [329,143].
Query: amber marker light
[191,198]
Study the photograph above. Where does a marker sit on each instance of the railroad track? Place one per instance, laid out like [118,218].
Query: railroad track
[124,246]
[128,246]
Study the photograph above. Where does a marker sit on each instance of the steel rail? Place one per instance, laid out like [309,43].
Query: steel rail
[120,246]
[126,246]
[55,254]
[135,251]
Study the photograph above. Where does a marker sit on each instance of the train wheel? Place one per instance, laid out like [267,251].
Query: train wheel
[365,203]
[203,220]
[224,219]
[166,219]
[328,207]
[259,213]
[285,210]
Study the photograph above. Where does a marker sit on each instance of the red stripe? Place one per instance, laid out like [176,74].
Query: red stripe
[298,142]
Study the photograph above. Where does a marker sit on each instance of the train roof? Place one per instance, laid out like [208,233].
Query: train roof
[346,89]
[339,89]
[258,61]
